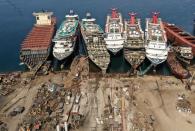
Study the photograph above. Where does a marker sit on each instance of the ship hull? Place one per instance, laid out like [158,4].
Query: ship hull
[185,61]
[156,48]
[32,60]
[95,58]
[134,57]
[66,53]
[114,51]
[179,37]
[36,47]
[61,56]
[114,37]
[66,37]
[156,57]
[155,61]
[176,67]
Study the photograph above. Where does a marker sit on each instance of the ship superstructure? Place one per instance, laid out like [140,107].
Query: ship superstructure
[184,53]
[134,49]
[36,47]
[94,41]
[156,40]
[66,36]
[114,32]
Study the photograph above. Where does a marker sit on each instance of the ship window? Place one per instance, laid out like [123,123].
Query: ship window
[49,17]
[37,18]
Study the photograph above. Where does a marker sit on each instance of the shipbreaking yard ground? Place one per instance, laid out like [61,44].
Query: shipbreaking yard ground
[147,102]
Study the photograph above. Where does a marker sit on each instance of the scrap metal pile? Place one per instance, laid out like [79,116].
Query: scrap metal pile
[183,105]
[79,70]
[3,126]
[46,109]
[7,82]
[141,122]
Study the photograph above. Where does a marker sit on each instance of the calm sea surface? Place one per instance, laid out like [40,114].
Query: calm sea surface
[16,18]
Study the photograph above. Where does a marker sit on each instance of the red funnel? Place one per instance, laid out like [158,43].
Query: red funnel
[155,17]
[132,18]
[114,13]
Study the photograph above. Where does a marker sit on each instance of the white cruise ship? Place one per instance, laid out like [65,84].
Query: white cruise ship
[156,40]
[66,35]
[114,32]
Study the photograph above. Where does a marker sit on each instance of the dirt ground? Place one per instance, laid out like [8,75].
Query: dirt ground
[152,96]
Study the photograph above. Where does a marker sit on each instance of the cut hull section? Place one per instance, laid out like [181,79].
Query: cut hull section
[95,44]
[135,58]
[36,47]
[176,67]
[134,51]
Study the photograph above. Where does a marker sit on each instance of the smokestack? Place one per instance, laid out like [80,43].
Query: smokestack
[132,18]
[114,13]
[155,17]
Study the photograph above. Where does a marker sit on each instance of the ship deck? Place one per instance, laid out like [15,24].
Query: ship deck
[66,29]
[40,37]
[135,35]
[156,31]
[92,29]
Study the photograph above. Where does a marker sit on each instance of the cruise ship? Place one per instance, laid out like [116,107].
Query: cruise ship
[66,35]
[114,32]
[156,40]
[95,45]
[134,48]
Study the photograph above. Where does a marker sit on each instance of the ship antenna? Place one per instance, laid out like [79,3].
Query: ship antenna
[132,17]
[155,17]
[114,13]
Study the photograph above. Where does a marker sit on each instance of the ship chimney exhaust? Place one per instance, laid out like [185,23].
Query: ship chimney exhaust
[132,18]
[114,13]
[155,17]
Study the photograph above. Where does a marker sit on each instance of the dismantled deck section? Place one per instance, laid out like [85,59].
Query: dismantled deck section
[94,41]
[134,50]
[36,47]
[184,53]
[179,37]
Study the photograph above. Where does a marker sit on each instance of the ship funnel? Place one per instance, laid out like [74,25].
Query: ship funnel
[88,15]
[114,13]
[155,17]
[132,18]
[71,12]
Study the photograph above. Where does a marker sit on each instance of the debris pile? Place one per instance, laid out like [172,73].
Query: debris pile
[142,122]
[46,109]
[79,70]
[8,82]
[183,105]
[44,68]
[3,126]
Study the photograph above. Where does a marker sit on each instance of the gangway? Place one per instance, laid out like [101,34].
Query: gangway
[141,73]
